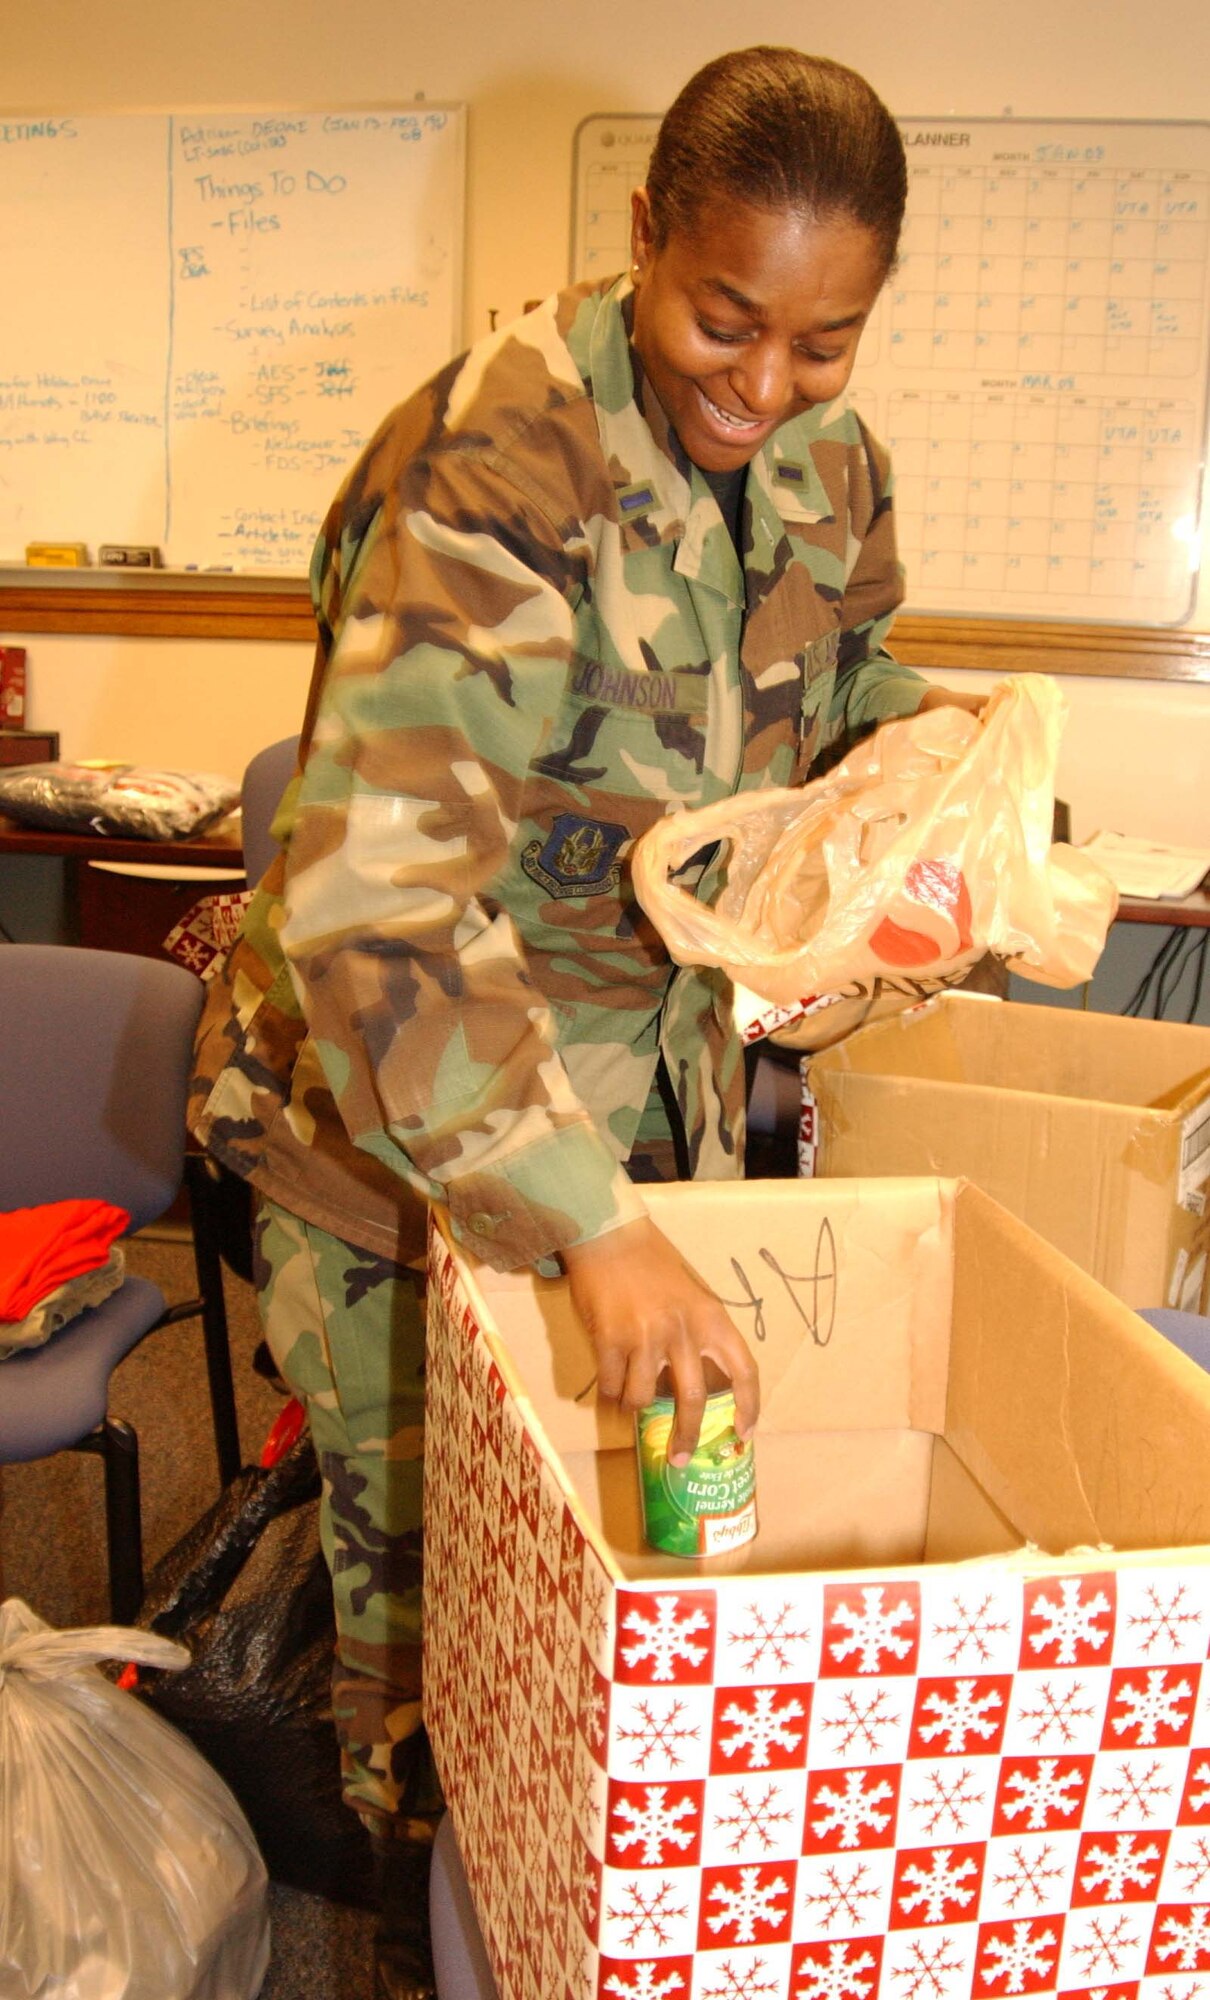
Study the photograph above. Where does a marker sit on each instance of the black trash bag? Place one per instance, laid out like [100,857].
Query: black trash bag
[248,1591]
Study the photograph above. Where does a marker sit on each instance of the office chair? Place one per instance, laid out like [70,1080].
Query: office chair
[221,1202]
[1189,1331]
[459,1953]
[97,1052]
[264,781]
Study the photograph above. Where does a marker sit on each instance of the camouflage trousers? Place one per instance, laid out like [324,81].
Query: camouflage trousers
[346,1330]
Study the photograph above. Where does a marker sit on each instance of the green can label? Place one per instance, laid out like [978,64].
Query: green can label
[707,1506]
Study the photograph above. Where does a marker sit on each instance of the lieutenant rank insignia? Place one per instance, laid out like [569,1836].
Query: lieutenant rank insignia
[579,857]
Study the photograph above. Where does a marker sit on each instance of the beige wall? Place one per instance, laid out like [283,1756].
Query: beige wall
[529,71]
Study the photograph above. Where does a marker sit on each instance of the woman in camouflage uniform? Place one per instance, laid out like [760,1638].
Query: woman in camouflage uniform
[630,555]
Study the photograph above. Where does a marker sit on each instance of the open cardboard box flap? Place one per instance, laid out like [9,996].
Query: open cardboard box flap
[1094,1130]
[938,1384]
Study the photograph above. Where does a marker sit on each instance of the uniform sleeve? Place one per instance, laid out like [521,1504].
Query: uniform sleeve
[449,655]
[871,685]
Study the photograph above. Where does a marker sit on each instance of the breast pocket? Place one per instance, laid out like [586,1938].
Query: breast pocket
[627,732]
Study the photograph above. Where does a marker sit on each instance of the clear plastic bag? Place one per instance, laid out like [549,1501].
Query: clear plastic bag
[929,846]
[129,1870]
[125,800]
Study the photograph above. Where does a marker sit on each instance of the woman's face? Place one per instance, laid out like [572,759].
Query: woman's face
[749,320]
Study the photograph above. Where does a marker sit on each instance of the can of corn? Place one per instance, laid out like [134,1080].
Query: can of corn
[708,1506]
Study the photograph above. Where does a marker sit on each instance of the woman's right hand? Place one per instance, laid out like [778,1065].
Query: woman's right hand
[645,1311]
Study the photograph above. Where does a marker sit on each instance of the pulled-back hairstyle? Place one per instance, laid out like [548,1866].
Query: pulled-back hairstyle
[782,131]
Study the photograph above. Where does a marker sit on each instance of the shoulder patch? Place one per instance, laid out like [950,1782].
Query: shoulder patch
[579,857]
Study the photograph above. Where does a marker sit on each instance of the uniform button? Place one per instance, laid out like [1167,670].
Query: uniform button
[482,1224]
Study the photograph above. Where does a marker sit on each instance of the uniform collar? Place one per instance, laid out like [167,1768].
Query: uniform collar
[664,499]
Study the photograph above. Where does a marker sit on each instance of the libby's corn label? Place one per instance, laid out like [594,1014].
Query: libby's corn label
[709,1505]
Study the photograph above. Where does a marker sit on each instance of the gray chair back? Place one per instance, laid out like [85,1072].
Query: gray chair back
[93,1075]
[265,779]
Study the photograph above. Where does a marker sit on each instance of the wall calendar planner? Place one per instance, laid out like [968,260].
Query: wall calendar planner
[1037,362]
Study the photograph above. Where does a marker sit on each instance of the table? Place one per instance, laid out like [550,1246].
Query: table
[1178,913]
[132,912]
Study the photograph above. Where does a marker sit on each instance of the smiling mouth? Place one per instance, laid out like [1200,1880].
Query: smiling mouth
[742,426]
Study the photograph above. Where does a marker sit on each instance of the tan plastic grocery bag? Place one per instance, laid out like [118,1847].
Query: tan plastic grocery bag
[891,876]
[129,1871]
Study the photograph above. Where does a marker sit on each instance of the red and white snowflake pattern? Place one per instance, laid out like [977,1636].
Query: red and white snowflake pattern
[949,1784]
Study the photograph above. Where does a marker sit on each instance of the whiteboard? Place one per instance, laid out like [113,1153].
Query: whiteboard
[1037,363]
[206,316]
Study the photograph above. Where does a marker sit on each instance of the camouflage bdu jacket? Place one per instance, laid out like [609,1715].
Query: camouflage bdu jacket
[536,637]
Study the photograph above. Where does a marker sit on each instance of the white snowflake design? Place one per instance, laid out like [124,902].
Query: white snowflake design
[1187,1938]
[593,1614]
[591,1707]
[1196,1868]
[654,1825]
[928,1968]
[842,1896]
[1198,1801]
[752,1903]
[937,1885]
[962,1714]
[1108,1947]
[753,1819]
[1162,1622]
[648,1906]
[970,1630]
[849,1811]
[588,1782]
[647,1985]
[761,1727]
[567,1648]
[838,1978]
[584,1888]
[741,1982]
[948,1800]
[873,1631]
[1042,1792]
[769,1636]
[1019,1957]
[861,1721]
[1152,1707]
[544,1610]
[1057,1712]
[1118,1868]
[1030,1874]
[665,1639]
[660,1734]
[1137,1789]
[1071,1622]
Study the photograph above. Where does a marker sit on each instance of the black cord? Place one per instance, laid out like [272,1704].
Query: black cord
[1167,986]
[1198,977]
[1159,964]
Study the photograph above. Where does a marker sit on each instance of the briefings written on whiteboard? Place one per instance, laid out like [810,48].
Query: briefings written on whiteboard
[285,280]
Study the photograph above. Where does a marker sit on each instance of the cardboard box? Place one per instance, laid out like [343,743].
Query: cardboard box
[1092,1128]
[940,1731]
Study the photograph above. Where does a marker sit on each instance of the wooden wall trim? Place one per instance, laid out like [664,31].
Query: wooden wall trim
[1021,646]
[170,607]
[160,607]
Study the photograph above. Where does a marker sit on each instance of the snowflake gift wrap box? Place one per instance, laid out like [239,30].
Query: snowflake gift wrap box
[940,1731]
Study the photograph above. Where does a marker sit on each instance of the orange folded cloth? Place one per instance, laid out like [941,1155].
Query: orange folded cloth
[40,1248]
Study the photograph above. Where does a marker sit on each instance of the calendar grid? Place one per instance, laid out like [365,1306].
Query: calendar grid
[1037,363]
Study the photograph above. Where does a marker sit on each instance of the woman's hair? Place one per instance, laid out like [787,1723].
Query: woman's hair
[782,131]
